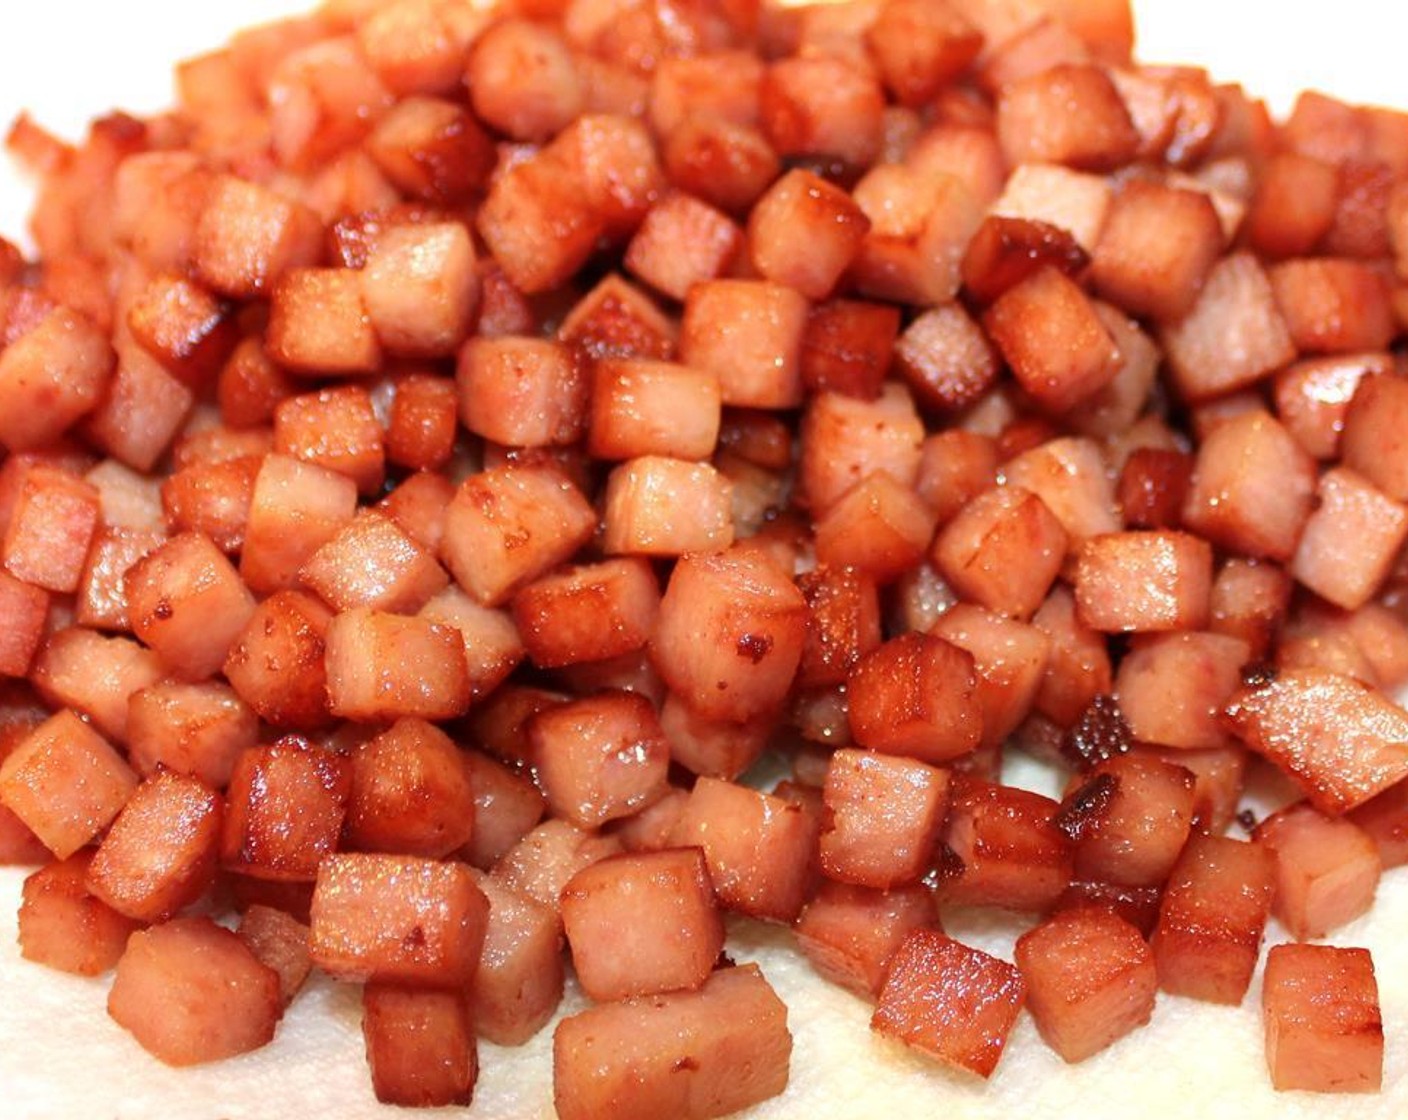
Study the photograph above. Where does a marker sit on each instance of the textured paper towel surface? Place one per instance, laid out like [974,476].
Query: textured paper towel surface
[61,1058]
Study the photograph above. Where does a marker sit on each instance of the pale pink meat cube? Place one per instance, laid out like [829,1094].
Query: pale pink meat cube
[882,818]
[383,666]
[62,925]
[1172,687]
[1143,581]
[295,508]
[1324,1030]
[159,854]
[1327,870]
[191,991]
[518,982]
[1350,539]
[657,506]
[420,1045]
[730,633]
[1002,550]
[642,923]
[600,757]
[1090,980]
[373,563]
[507,526]
[546,858]
[759,848]
[1010,658]
[689,1055]
[749,334]
[845,438]
[94,675]
[849,933]
[188,604]
[1012,853]
[1214,908]
[399,919]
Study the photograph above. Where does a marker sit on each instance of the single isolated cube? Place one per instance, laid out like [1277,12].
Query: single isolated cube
[949,1001]
[1090,980]
[1324,1032]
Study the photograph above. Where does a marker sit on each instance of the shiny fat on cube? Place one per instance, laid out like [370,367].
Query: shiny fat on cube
[319,326]
[600,757]
[336,428]
[642,923]
[954,1003]
[1090,980]
[1207,939]
[160,853]
[371,562]
[66,782]
[398,919]
[882,818]
[804,232]
[687,1055]
[95,675]
[383,666]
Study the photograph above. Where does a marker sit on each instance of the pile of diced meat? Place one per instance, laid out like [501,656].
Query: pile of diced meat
[445,454]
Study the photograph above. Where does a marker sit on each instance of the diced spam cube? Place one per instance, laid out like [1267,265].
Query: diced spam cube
[657,506]
[1002,550]
[50,528]
[916,695]
[642,923]
[373,563]
[63,926]
[600,757]
[398,919]
[383,666]
[950,1002]
[1069,114]
[1324,1031]
[1372,443]
[1252,487]
[759,848]
[1172,687]
[296,507]
[844,439]
[652,408]
[337,429]
[1350,539]
[94,675]
[276,664]
[1327,870]
[159,855]
[280,941]
[544,860]
[318,323]
[883,817]
[732,619]
[588,613]
[522,392]
[411,793]
[849,933]
[1341,740]
[804,232]
[518,983]
[1090,980]
[1130,817]
[65,782]
[1010,658]
[749,334]
[1214,909]
[1140,581]
[284,809]
[191,991]
[1012,853]
[420,1045]
[188,603]
[507,526]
